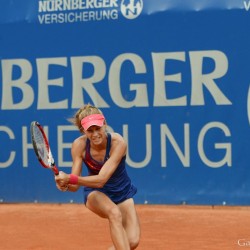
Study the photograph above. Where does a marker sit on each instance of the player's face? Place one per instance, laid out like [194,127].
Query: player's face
[97,135]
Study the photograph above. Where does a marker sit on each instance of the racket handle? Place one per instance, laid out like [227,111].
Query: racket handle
[55,170]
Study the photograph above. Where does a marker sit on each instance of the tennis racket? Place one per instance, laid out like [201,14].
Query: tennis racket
[41,147]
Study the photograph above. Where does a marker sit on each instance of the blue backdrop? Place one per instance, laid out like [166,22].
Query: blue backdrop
[171,76]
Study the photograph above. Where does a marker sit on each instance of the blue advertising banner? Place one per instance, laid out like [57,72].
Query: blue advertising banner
[172,77]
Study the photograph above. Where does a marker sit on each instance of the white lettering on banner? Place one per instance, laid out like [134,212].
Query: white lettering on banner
[9,84]
[73,17]
[63,5]
[81,84]
[160,93]
[166,133]
[87,84]
[247,5]
[45,82]
[70,11]
[199,79]
[166,137]
[227,146]
[11,135]
[185,157]
[141,97]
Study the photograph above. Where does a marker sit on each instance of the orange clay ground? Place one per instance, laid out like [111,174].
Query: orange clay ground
[73,227]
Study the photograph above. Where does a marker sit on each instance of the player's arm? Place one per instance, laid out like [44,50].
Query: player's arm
[77,150]
[78,147]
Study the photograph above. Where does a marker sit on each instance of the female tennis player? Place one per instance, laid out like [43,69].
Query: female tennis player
[108,191]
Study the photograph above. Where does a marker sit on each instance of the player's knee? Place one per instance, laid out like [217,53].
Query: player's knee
[115,215]
[134,241]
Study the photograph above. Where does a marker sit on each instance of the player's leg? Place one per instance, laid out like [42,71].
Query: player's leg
[130,222]
[101,205]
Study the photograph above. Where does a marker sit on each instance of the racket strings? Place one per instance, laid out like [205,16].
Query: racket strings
[42,146]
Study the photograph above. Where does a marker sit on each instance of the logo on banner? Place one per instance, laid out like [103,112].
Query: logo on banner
[131,9]
[75,11]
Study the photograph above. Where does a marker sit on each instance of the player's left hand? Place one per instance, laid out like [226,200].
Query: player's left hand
[62,179]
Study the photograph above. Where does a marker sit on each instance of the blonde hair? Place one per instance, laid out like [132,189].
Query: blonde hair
[82,112]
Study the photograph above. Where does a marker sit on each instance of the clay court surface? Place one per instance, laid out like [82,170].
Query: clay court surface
[72,226]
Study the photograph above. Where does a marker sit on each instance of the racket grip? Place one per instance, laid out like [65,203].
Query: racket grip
[55,170]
